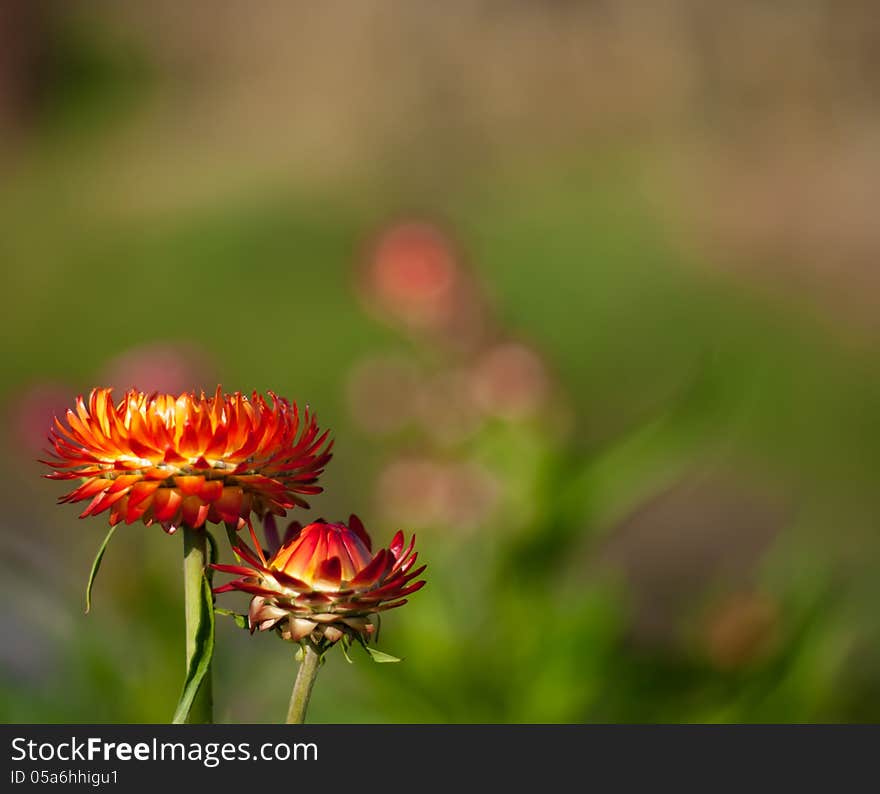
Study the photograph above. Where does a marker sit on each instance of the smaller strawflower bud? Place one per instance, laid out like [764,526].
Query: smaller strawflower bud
[324,582]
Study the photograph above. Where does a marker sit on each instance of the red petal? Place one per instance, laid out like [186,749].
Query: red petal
[239,570]
[194,512]
[371,574]
[166,503]
[87,490]
[254,589]
[141,491]
[270,530]
[226,588]
[290,581]
[123,482]
[356,526]
[189,484]
[294,528]
[228,503]
[329,573]
[244,551]
[211,490]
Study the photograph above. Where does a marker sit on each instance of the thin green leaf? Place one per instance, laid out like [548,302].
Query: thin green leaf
[240,620]
[96,566]
[380,657]
[201,659]
[344,645]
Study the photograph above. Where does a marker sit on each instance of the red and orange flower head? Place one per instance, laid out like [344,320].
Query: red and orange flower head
[324,582]
[188,459]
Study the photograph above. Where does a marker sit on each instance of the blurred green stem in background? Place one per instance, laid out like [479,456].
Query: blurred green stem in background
[302,687]
[195,546]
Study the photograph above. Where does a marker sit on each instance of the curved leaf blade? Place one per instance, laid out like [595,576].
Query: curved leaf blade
[379,656]
[96,565]
[201,659]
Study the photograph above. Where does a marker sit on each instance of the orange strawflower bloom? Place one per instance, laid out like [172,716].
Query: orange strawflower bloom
[188,459]
[324,582]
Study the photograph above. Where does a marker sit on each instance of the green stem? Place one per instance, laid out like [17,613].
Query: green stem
[302,687]
[194,561]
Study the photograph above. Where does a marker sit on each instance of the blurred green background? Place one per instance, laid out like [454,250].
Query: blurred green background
[587,293]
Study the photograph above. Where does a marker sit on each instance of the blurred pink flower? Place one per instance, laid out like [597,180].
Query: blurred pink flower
[166,368]
[425,493]
[31,415]
[413,273]
[414,277]
[510,381]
